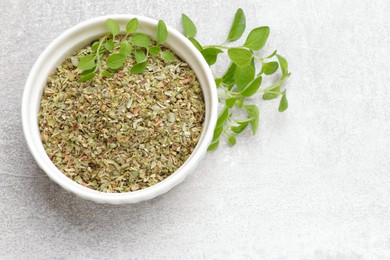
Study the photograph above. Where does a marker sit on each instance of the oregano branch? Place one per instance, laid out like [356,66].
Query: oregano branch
[242,79]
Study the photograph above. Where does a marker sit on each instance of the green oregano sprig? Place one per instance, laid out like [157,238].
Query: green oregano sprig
[242,79]
[133,43]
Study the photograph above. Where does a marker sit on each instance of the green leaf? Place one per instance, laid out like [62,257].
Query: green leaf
[112,27]
[85,72]
[253,111]
[95,46]
[240,102]
[210,54]
[86,62]
[270,68]
[109,45]
[271,55]
[106,73]
[248,120]
[154,50]
[115,61]
[230,102]
[228,77]
[238,26]
[244,75]
[283,104]
[283,64]
[238,129]
[217,132]
[222,117]
[138,68]
[196,44]
[141,40]
[213,146]
[86,77]
[232,140]
[257,38]
[125,48]
[162,32]
[132,26]
[189,28]
[218,81]
[252,87]
[140,56]
[167,56]
[240,56]
[271,95]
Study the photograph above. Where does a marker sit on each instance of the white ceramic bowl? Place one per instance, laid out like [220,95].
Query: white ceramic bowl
[76,38]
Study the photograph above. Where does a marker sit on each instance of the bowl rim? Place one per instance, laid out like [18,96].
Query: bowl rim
[127,197]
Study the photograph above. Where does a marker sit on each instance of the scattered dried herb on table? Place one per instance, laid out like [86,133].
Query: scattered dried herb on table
[121,132]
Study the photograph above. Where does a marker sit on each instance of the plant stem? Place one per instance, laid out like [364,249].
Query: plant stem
[258,58]
[216,46]
[98,53]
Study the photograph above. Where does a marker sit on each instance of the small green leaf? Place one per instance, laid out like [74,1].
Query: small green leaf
[189,29]
[253,111]
[222,117]
[230,102]
[257,38]
[109,45]
[218,81]
[106,73]
[252,87]
[271,55]
[232,140]
[85,72]
[270,68]
[112,27]
[86,77]
[230,85]
[248,120]
[271,93]
[140,56]
[240,56]
[228,77]
[240,102]
[125,48]
[244,75]
[283,105]
[213,146]
[238,129]
[95,46]
[138,68]
[210,55]
[167,56]
[154,50]
[115,61]
[86,62]
[217,132]
[283,64]
[196,44]
[162,32]
[141,40]
[132,26]
[238,26]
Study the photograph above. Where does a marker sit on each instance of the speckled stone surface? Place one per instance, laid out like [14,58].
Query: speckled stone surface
[313,184]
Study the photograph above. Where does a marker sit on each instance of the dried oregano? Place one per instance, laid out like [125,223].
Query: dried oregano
[121,130]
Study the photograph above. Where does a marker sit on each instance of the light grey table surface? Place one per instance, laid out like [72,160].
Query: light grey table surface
[314,183]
